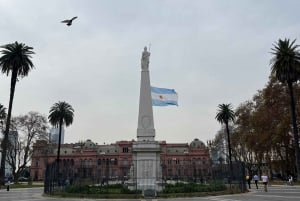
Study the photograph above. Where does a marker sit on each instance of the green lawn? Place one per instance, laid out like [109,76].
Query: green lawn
[27,185]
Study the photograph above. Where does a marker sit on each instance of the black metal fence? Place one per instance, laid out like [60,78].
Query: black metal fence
[106,172]
[236,179]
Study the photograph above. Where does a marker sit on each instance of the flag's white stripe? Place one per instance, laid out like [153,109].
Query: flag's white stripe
[165,97]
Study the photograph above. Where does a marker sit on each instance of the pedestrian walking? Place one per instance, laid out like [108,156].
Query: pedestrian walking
[265,180]
[248,178]
[255,178]
[290,180]
[7,185]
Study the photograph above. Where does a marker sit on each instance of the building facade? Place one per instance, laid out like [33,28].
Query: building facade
[54,135]
[179,161]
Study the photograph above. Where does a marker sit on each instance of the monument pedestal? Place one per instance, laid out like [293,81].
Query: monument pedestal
[147,171]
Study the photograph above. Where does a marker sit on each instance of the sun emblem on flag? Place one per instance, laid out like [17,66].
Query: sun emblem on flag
[161,97]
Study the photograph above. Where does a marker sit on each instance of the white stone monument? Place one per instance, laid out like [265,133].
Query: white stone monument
[146,169]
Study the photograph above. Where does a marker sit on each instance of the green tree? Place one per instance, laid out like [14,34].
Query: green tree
[61,113]
[15,59]
[225,115]
[285,65]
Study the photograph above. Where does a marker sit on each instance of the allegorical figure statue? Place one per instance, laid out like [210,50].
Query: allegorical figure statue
[145,59]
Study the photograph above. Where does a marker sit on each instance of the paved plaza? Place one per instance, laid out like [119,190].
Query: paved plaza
[275,193]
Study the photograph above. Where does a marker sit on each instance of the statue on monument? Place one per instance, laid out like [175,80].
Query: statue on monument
[145,59]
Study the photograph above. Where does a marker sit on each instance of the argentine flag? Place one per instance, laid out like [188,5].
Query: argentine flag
[163,97]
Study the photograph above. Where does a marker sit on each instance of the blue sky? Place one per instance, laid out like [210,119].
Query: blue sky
[210,52]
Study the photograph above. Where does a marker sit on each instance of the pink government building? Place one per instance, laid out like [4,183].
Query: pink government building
[179,161]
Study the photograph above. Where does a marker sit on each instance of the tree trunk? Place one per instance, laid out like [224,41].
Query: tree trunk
[295,129]
[229,150]
[58,149]
[6,132]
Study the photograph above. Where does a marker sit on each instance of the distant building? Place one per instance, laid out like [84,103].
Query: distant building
[179,161]
[54,135]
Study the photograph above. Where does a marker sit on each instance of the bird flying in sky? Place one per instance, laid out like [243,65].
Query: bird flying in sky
[69,22]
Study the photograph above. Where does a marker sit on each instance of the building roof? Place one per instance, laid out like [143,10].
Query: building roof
[196,143]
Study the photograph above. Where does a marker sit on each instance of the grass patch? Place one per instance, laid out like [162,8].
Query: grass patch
[110,189]
[116,191]
[26,185]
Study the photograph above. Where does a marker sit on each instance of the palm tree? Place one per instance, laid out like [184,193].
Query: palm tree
[285,66]
[224,115]
[61,113]
[16,59]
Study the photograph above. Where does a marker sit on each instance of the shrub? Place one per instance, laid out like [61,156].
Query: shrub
[111,189]
[193,187]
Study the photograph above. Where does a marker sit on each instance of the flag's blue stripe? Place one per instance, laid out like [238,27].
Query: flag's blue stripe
[156,102]
[162,90]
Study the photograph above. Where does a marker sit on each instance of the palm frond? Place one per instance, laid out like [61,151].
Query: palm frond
[61,112]
[16,57]
[285,64]
[225,113]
